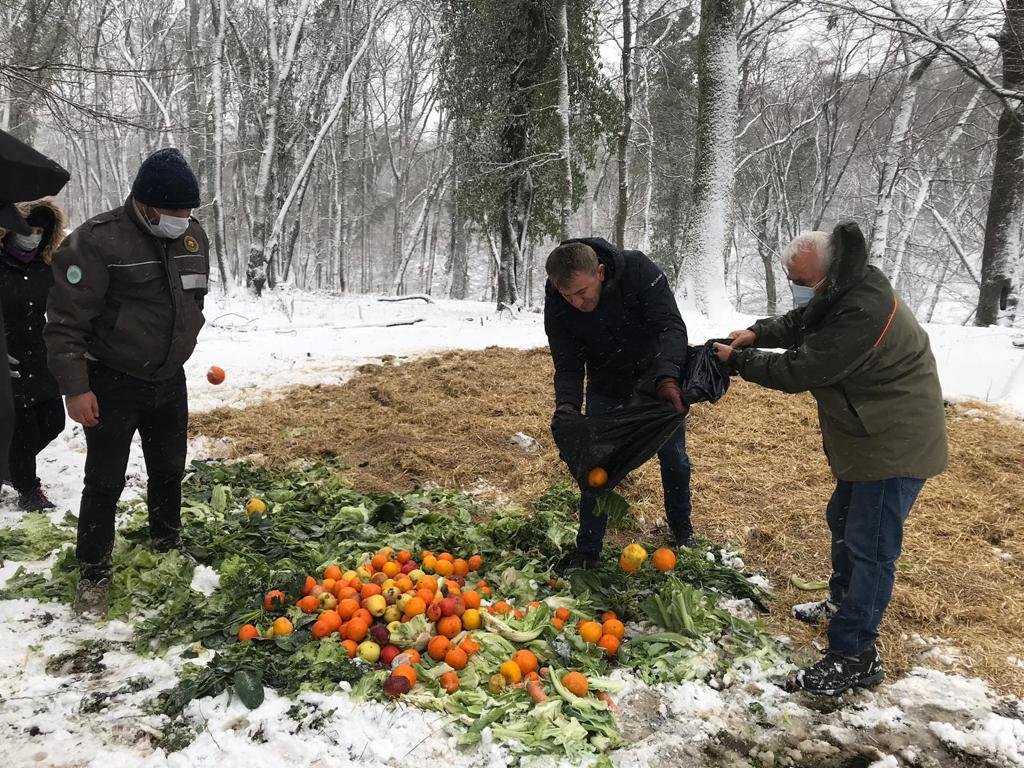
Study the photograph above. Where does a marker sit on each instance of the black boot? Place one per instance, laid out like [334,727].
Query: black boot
[34,501]
[577,560]
[836,673]
[815,613]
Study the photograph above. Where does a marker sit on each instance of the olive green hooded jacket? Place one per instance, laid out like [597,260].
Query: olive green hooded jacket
[863,356]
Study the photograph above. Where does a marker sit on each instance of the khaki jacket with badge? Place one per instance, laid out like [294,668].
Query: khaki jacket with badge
[126,298]
[863,356]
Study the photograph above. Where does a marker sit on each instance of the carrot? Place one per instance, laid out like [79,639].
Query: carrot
[536,691]
[607,699]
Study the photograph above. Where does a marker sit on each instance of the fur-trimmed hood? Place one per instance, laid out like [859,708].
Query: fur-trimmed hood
[53,233]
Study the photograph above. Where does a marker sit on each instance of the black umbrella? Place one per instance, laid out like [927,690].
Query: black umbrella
[25,174]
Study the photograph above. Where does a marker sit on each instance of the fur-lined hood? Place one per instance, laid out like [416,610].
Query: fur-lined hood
[53,235]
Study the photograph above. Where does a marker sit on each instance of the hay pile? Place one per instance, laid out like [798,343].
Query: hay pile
[760,479]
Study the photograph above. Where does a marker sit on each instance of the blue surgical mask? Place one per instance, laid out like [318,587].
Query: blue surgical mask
[802,294]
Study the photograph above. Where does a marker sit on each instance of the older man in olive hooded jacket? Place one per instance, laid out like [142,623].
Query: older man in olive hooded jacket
[856,347]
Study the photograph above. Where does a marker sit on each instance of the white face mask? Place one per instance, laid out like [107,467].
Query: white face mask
[169,227]
[802,294]
[28,242]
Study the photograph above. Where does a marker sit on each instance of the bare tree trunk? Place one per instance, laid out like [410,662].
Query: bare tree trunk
[709,227]
[217,76]
[1002,225]
[894,158]
[565,146]
[458,261]
[622,208]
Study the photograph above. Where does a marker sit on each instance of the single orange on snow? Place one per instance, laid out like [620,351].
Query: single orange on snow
[597,477]
[215,375]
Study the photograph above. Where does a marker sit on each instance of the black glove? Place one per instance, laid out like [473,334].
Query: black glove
[669,391]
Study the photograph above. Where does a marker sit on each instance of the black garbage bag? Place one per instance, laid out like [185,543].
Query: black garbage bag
[705,378]
[618,442]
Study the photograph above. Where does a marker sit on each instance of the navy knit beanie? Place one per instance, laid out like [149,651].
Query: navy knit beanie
[165,180]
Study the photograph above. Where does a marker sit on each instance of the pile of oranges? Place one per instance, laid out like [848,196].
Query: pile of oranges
[607,633]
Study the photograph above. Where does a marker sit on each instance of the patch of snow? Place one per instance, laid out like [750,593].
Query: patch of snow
[992,736]
[205,580]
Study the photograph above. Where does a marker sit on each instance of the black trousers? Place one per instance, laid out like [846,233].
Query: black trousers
[35,427]
[159,412]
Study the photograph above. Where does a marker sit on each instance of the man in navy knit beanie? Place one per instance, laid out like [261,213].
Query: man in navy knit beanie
[122,318]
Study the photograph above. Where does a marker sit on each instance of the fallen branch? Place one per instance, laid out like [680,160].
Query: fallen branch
[412,297]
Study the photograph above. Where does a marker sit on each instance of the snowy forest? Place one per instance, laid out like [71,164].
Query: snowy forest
[400,146]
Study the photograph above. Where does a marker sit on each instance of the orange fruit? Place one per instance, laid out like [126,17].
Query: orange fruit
[500,608]
[427,582]
[332,572]
[449,626]
[444,568]
[356,629]
[328,585]
[413,654]
[308,604]
[378,561]
[391,569]
[591,631]
[456,658]
[408,671]
[664,559]
[609,615]
[333,618]
[415,606]
[562,613]
[351,647]
[614,627]
[321,629]
[597,477]
[429,563]
[576,683]
[215,375]
[365,615]
[526,660]
[248,632]
[449,682]
[434,610]
[460,566]
[511,672]
[475,563]
[446,556]
[559,623]
[518,613]
[307,587]
[471,598]
[471,619]
[404,556]
[469,645]
[629,566]
[438,647]
[282,626]
[610,643]
[404,583]
[347,608]
[425,554]
[274,600]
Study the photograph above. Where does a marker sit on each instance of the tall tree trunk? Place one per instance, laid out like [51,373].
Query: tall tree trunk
[924,189]
[766,250]
[709,228]
[892,164]
[1002,225]
[217,172]
[565,197]
[458,261]
[622,207]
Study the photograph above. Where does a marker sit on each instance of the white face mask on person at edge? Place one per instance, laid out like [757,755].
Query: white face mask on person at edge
[170,227]
[802,294]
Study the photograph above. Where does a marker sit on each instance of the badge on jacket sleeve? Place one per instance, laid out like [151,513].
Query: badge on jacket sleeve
[191,244]
[74,274]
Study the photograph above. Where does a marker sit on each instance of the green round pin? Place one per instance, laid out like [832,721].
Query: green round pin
[74,274]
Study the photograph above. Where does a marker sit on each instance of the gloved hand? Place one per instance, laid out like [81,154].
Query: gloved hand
[11,362]
[669,391]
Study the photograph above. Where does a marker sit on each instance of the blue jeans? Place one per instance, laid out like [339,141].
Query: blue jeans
[866,520]
[675,479]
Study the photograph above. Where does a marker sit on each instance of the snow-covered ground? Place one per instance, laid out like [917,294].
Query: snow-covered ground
[50,715]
